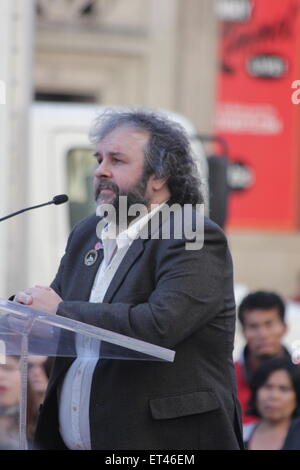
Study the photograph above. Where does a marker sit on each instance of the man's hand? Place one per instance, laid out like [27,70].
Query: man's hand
[39,297]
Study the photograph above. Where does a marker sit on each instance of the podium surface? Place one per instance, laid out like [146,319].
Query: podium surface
[26,331]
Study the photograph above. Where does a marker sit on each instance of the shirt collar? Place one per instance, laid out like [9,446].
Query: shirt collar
[126,237]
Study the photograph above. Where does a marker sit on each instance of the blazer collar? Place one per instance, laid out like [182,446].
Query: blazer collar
[88,273]
[134,251]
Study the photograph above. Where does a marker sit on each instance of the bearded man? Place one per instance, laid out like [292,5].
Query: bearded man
[153,289]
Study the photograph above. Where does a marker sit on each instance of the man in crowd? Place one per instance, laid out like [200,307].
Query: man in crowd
[153,289]
[262,317]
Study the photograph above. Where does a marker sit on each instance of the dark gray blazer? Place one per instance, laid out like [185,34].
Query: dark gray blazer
[172,297]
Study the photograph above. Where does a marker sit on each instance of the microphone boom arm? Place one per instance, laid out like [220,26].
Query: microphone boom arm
[56,200]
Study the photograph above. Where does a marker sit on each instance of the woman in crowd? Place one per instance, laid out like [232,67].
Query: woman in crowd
[275,400]
[10,387]
[10,382]
[38,377]
[39,368]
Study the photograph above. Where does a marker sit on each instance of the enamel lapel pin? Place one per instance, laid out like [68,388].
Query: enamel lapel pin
[92,255]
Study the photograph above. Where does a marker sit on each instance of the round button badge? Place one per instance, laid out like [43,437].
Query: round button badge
[90,258]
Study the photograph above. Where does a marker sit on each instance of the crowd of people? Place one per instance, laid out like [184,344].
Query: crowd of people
[39,368]
[268,381]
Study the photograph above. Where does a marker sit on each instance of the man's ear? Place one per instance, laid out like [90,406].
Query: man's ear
[157,183]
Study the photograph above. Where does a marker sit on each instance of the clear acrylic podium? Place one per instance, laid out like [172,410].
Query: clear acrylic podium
[26,331]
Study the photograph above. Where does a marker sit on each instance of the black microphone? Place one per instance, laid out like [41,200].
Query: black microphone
[60,199]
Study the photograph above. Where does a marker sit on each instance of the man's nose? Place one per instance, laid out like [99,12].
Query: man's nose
[103,170]
[263,332]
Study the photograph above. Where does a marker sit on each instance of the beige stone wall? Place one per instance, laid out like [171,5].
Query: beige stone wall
[197,62]
[266,260]
[138,52]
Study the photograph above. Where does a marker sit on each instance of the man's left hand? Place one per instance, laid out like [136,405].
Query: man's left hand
[43,298]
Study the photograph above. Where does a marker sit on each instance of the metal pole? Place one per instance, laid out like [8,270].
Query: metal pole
[23,396]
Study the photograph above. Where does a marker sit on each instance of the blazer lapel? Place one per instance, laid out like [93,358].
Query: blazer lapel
[87,273]
[129,259]
[134,252]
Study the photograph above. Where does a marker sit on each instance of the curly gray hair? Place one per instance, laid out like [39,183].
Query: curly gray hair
[168,153]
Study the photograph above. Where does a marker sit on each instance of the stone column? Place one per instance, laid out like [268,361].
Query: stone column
[196,62]
[16,63]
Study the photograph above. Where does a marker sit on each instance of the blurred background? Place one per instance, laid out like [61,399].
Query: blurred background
[230,69]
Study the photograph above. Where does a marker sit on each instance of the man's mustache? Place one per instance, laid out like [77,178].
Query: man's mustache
[106,185]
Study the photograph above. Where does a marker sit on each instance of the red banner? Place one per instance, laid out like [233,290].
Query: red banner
[257,111]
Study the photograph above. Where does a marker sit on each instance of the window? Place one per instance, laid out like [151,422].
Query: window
[80,168]
[64,97]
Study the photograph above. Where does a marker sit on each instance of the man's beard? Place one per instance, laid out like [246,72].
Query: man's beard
[135,195]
